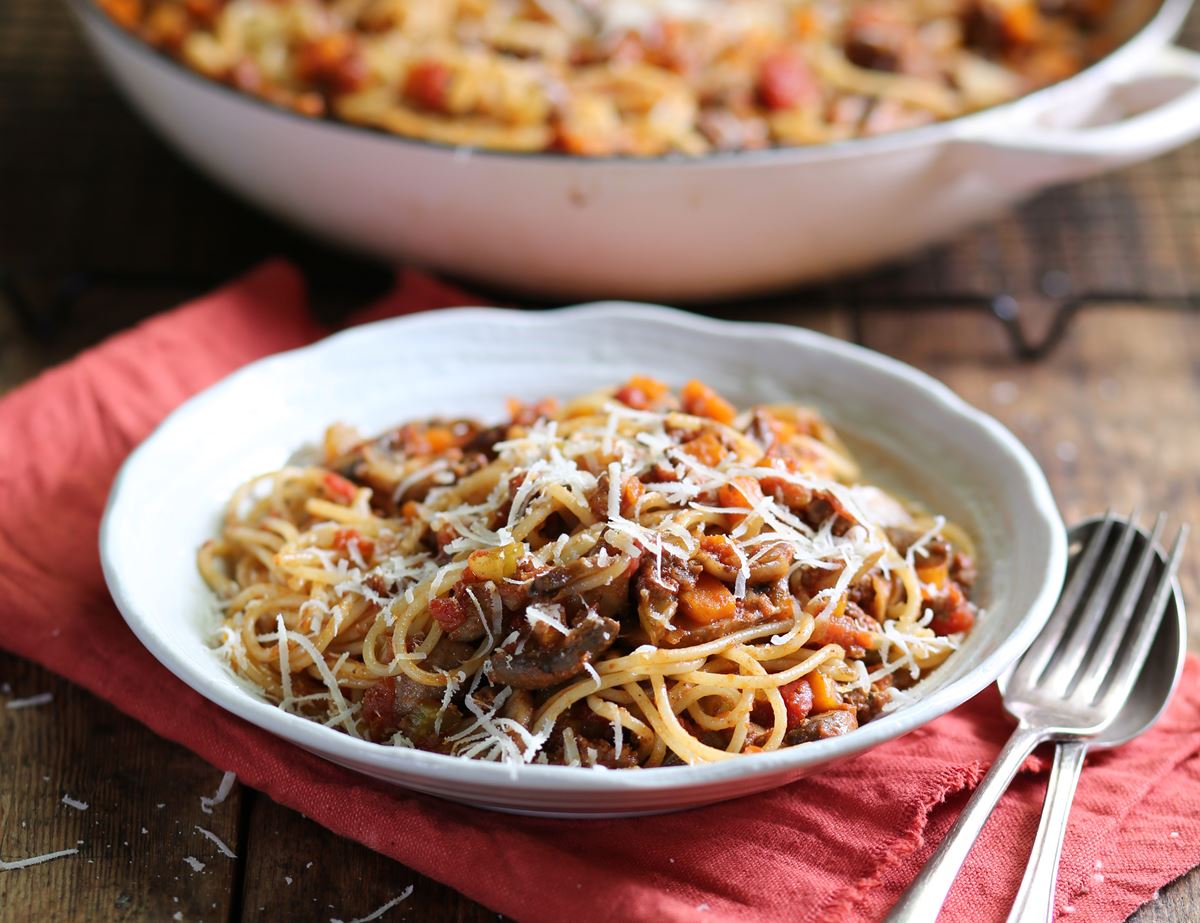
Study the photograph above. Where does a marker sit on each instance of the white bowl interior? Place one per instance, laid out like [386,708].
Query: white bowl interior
[912,434]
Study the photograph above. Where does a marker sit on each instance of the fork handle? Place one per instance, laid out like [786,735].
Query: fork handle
[923,900]
[1035,900]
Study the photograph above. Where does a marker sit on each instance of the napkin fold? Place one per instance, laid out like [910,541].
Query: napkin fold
[839,846]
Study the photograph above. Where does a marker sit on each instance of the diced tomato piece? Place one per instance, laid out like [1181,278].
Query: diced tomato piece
[338,487]
[527,414]
[428,85]
[343,537]
[954,621]
[843,630]
[702,401]
[332,61]
[785,82]
[641,392]
[447,612]
[708,600]
[379,707]
[798,700]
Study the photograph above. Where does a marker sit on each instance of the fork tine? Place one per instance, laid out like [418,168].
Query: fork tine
[1046,643]
[1104,651]
[1061,670]
[1121,675]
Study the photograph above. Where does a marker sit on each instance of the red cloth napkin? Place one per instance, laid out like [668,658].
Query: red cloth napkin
[836,847]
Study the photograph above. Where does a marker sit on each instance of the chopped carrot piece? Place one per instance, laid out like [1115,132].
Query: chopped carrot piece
[127,13]
[1021,22]
[702,401]
[631,495]
[741,492]
[641,392]
[824,696]
[721,548]
[708,600]
[439,438]
[448,612]
[935,573]
[782,430]
[706,449]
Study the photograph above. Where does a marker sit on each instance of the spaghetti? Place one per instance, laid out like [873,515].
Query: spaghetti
[631,77]
[632,579]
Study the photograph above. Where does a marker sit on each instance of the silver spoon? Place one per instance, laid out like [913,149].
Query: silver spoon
[1147,701]
[1072,682]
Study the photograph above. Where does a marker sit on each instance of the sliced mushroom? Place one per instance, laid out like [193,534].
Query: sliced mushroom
[548,658]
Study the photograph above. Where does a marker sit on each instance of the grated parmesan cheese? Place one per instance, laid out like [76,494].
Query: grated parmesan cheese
[14,864]
[380,911]
[42,698]
[217,841]
[222,792]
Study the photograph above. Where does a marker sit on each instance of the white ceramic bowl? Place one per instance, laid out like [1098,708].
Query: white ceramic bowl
[910,431]
[664,228]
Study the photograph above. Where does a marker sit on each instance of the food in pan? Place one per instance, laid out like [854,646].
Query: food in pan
[628,77]
[637,577]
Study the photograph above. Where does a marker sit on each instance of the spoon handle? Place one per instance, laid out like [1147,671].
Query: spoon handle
[1035,899]
[923,900]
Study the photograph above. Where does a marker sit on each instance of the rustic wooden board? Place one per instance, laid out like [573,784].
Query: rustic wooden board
[143,795]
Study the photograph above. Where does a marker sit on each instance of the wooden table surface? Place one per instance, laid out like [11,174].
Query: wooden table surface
[100,225]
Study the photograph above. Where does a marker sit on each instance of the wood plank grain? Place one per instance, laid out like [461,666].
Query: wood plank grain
[1112,415]
[296,868]
[143,805]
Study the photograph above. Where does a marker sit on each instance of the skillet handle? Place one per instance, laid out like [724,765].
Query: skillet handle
[1164,105]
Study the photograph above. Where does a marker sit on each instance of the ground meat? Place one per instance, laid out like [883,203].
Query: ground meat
[657,588]
[819,727]
[592,733]
[824,506]
[484,441]
[962,570]
[937,550]
[868,705]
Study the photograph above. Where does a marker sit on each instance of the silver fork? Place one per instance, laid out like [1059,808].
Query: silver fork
[1070,684]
